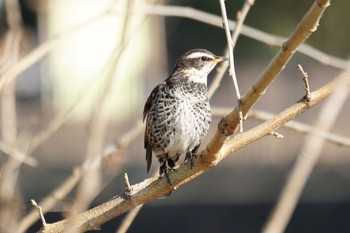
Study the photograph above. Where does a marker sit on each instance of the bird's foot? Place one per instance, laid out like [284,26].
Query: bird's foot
[189,158]
[164,171]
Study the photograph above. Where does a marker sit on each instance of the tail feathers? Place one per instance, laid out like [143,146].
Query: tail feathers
[149,157]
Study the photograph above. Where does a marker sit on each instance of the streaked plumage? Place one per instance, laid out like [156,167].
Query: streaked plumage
[177,112]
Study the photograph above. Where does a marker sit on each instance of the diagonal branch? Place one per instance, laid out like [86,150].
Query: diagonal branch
[153,188]
[308,24]
[176,11]
[305,162]
[219,146]
[296,126]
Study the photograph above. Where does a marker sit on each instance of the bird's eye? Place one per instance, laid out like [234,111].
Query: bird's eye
[204,58]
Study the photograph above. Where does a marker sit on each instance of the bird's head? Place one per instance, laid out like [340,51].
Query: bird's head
[196,64]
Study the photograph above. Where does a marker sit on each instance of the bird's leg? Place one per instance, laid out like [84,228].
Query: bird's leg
[163,170]
[190,155]
[167,176]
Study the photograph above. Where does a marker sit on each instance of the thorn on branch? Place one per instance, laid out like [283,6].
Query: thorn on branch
[277,135]
[40,212]
[127,185]
[305,76]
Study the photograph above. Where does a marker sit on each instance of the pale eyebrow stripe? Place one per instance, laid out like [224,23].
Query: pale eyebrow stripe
[199,54]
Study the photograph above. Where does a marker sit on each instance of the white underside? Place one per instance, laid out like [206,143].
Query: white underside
[185,138]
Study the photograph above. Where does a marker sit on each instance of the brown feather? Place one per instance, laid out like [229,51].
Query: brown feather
[146,109]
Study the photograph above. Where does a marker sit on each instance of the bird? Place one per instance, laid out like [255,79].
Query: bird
[177,112]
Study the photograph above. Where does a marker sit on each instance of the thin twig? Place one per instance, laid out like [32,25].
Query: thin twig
[62,191]
[305,163]
[127,184]
[38,53]
[232,71]
[292,125]
[211,19]
[129,219]
[40,212]
[276,134]
[91,181]
[305,77]
[231,42]
[10,54]
[71,181]
[50,201]
[18,155]
[153,188]
[175,11]
[305,28]
[240,19]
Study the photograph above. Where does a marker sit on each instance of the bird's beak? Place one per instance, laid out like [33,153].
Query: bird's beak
[220,59]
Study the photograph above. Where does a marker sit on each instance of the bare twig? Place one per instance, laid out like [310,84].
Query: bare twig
[305,77]
[10,169]
[18,155]
[176,11]
[61,191]
[91,180]
[130,135]
[188,12]
[307,25]
[231,42]
[154,188]
[127,184]
[230,46]
[40,212]
[58,121]
[44,49]
[305,163]
[128,220]
[276,134]
[292,125]
[218,148]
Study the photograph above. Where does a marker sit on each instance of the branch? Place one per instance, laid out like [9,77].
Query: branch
[220,146]
[153,188]
[231,42]
[61,191]
[292,125]
[308,24]
[40,212]
[175,11]
[214,20]
[305,162]
[38,53]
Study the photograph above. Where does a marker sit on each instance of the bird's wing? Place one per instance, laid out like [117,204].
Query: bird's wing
[146,109]
[150,99]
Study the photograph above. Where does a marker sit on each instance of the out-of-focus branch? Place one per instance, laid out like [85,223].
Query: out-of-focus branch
[163,10]
[214,20]
[220,146]
[128,220]
[153,188]
[292,125]
[18,155]
[231,43]
[66,187]
[91,183]
[10,169]
[307,25]
[305,163]
[38,53]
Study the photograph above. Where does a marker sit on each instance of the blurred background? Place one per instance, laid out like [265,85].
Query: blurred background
[85,96]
